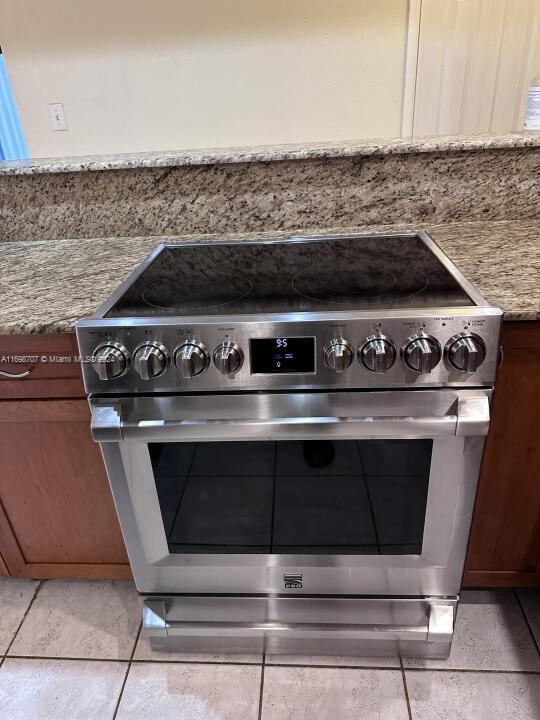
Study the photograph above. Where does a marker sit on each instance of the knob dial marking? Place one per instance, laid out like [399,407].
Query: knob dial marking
[111,361]
[338,355]
[191,359]
[150,360]
[228,358]
[377,354]
[465,351]
[421,353]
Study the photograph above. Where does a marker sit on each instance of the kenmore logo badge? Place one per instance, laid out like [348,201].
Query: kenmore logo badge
[292,582]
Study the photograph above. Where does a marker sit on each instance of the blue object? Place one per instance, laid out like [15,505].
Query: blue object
[12,143]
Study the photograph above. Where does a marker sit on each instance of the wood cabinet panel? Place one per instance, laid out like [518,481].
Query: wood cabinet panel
[51,360]
[504,547]
[58,516]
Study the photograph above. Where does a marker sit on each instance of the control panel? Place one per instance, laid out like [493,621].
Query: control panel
[396,352]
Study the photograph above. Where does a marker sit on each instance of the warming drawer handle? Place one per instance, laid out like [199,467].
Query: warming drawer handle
[438,627]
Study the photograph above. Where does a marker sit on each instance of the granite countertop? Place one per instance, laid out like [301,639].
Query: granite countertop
[46,286]
[266,153]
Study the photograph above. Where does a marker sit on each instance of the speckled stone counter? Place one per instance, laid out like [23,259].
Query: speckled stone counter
[274,189]
[45,286]
[269,153]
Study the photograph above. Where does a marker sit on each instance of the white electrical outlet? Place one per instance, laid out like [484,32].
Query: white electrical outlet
[58,117]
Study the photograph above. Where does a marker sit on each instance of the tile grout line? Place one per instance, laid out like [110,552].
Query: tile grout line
[138,661]
[331,667]
[478,671]
[536,645]
[405,688]
[117,706]
[34,596]
[67,659]
[166,661]
[261,689]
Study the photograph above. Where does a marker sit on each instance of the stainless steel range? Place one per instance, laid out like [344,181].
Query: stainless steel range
[293,432]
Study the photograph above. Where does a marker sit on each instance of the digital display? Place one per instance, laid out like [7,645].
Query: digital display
[283,355]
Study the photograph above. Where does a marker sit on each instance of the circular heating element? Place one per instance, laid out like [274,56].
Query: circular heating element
[197,292]
[354,286]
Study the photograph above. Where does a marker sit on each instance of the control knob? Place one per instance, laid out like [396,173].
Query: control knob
[191,359]
[110,361]
[421,353]
[150,360]
[338,355]
[377,354]
[466,352]
[228,358]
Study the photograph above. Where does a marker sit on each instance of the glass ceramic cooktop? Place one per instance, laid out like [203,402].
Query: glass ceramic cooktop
[344,273]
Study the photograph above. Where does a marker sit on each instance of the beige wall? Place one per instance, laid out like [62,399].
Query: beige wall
[136,75]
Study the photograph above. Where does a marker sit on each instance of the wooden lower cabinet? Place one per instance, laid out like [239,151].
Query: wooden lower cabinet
[504,547]
[57,517]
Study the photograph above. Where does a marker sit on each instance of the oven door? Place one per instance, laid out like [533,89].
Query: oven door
[356,493]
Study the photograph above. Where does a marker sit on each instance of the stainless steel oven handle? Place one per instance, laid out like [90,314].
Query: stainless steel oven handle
[313,428]
[470,418]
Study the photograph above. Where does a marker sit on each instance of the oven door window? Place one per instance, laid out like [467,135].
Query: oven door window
[299,497]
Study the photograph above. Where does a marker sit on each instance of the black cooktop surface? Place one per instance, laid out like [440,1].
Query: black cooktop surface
[296,275]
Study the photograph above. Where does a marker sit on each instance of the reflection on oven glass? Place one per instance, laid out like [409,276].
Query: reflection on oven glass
[301,497]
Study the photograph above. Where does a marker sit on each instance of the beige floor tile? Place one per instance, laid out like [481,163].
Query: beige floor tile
[143,651]
[337,660]
[80,619]
[530,600]
[190,692]
[333,694]
[490,634]
[36,689]
[15,597]
[473,696]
